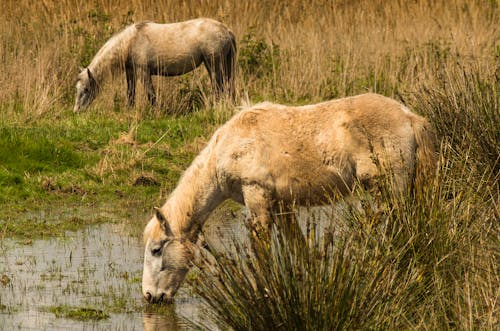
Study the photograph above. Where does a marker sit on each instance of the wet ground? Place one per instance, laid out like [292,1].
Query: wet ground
[97,269]
[53,284]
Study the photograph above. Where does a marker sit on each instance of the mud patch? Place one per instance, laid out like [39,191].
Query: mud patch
[145,180]
[49,185]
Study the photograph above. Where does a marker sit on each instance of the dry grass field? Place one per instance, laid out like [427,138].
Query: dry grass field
[289,51]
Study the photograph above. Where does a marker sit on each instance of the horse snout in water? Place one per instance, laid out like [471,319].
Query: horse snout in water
[161,297]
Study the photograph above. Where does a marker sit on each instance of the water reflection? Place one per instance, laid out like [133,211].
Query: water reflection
[165,321]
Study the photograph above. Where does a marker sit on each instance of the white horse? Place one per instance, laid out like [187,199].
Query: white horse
[270,155]
[147,48]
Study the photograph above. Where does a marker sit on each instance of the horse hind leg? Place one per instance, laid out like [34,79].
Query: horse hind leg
[147,81]
[224,71]
[131,83]
[215,70]
[229,70]
[220,77]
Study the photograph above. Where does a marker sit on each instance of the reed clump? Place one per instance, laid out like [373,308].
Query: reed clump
[417,260]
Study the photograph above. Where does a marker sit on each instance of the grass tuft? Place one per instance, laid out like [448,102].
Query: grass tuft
[395,261]
[78,313]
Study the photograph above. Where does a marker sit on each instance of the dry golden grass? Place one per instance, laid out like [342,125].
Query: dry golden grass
[290,51]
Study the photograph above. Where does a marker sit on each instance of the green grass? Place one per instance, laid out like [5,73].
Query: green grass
[31,154]
[79,313]
[464,107]
[80,160]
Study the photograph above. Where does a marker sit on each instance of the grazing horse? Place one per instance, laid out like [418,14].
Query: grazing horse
[272,155]
[147,48]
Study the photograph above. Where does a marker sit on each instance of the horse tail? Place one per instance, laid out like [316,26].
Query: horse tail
[426,150]
[230,64]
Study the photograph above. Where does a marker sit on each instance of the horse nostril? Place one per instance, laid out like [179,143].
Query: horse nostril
[148,297]
[161,298]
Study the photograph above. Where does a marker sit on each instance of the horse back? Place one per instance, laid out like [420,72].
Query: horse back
[317,147]
[202,33]
[176,48]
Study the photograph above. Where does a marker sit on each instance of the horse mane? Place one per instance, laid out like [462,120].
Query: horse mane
[258,106]
[182,208]
[140,25]
[265,105]
[182,205]
[152,230]
[112,55]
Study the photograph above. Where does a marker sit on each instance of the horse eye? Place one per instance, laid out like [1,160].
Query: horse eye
[156,251]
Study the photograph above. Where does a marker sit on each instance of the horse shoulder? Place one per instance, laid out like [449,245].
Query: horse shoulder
[236,145]
[236,135]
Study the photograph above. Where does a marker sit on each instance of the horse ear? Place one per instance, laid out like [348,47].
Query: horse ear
[89,73]
[92,81]
[163,222]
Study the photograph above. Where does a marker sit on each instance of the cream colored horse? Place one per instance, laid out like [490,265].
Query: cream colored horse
[270,154]
[147,48]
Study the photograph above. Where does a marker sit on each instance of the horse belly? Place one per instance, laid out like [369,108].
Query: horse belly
[286,177]
[315,184]
[174,66]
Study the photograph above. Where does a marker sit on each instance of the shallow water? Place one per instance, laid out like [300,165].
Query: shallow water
[98,267]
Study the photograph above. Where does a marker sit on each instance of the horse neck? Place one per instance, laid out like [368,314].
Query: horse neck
[194,198]
[112,55]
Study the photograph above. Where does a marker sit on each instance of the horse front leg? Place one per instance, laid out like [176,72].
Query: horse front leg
[131,82]
[260,206]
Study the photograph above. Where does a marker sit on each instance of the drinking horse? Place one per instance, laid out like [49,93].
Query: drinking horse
[147,48]
[270,156]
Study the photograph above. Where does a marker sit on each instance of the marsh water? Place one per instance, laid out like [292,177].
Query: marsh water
[96,269]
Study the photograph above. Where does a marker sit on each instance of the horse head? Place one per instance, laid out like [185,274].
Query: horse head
[166,260]
[86,89]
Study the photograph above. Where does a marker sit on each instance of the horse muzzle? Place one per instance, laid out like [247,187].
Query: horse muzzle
[158,298]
